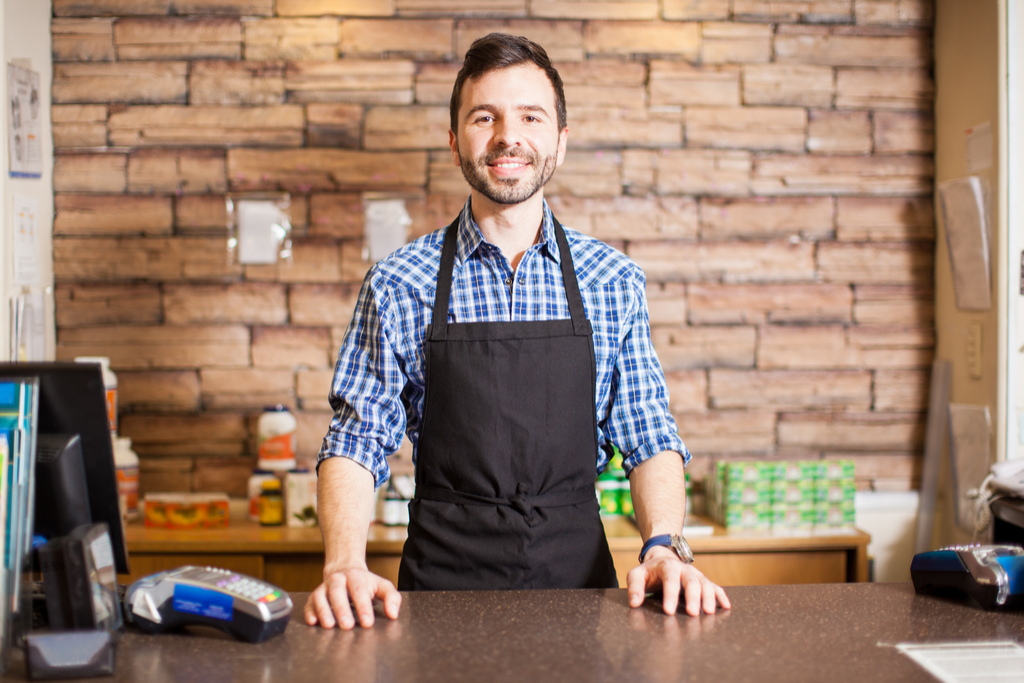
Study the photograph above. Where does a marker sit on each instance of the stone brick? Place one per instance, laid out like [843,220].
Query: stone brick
[681,39]
[336,215]
[310,431]
[291,39]
[628,218]
[733,43]
[223,475]
[638,171]
[354,8]
[351,80]
[144,347]
[78,113]
[246,389]
[142,258]
[687,391]
[249,303]
[906,306]
[894,337]
[890,12]
[334,125]
[322,305]
[611,126]
[790,347]
[682,84]
[853,46]
[79,125]
[885,88]
[313,387]
[272,126]
[199,214]
[688,348]
[790,389]
[435,212]
[82,40]
[225,83]
[120,8]
[769,128]
[819,174]
[165,391]
[839,132]
[762,304]
[178,171]
[666,303]
[446,178]
[313,260]
[288,347]
[594,9]
[406,128]
[89,173]
[106,304]
[196,435]
[141,38]
[563,40]
[692,10]
[725,261]
[898,131]
[704,171]
[112,215]
[807,11]
[728,431]
[164,475]
[608,72]
[809,217]
[885,218]
[876,263]
[425,38]
[788,84]
[354,265]
[516,8]
[324,169]
[901,390]
[588,174]
[434,83]
[851,431]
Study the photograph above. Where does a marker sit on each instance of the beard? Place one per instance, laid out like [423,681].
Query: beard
[508,190]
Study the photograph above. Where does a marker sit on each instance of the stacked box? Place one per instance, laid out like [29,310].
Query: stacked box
[834,494]
[747,496]
[794,494]
[613,488]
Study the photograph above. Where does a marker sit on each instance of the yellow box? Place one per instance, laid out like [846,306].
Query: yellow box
[186,510]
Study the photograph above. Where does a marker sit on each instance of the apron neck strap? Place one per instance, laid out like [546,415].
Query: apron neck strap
[439,321]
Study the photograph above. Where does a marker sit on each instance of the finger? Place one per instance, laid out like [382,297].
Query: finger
[670,589]
[636,585]
[389,595]
[322,606]
[708,596]
[722,598]
[692,591]
[309,610]
[361,594]
[337,593]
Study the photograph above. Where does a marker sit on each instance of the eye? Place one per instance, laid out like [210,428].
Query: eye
[532,119]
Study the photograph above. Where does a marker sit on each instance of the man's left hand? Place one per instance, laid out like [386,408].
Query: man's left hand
[663,569]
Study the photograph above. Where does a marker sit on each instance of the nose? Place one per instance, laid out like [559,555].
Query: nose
[507,133]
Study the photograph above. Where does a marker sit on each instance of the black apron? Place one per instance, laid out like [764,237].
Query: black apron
[507,455]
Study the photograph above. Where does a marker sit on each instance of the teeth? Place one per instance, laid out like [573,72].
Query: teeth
[509,165]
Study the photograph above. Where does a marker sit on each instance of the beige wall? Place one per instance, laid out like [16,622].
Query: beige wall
[768,164]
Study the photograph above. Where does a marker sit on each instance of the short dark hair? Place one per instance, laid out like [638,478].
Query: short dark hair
[500,51]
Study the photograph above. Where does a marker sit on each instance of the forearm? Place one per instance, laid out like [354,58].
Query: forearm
[345,506]
[658,489]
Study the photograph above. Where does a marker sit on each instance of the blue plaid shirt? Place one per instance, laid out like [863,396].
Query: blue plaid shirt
[377,393]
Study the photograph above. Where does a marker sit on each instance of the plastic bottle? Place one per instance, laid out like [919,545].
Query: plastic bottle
[271,503]
[254,488]
[126,463]
[393,505]
[276,436]
[109,384]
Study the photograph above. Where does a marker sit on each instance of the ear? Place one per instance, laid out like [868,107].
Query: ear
[453,142]
[563,140]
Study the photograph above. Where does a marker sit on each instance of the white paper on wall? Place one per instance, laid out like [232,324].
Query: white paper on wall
[964,215]
[970,452]
[387,223]
[26,241]
[260,230]
[24,129]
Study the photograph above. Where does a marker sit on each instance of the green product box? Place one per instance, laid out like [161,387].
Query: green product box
[835,516]
[836,470]
[749,472]
[799,470]
[835,492]
[625,500]
[609,498]
[794,492]
[794,516]
[758,493]
[747,516]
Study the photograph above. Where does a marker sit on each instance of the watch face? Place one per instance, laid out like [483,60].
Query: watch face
[682,548]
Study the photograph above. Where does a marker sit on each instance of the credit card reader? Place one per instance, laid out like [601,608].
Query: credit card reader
[993,575]
[245,607]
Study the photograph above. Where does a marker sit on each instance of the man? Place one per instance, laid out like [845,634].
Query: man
[513,352]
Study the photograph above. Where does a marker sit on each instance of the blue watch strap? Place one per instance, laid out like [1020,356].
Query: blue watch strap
[663,539]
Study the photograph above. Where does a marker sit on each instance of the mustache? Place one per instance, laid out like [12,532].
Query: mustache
[510,153]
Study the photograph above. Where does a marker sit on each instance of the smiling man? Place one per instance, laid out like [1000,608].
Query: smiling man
[513,352]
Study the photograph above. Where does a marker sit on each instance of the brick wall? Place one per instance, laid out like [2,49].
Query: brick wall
[769,164]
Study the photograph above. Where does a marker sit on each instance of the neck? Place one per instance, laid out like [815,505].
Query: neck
[513,228]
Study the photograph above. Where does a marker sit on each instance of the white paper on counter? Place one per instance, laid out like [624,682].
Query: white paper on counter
[965,218]
[973,662]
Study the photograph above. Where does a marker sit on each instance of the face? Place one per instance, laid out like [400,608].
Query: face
[508,143]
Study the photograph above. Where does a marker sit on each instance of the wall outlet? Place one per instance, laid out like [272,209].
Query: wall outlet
[974,352]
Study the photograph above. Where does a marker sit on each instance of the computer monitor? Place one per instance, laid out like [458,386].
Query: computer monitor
[72,400]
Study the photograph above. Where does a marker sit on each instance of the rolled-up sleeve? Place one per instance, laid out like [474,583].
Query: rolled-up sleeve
[639,421]
[369,418]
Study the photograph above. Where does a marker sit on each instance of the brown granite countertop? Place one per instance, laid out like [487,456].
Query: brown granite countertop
[831,633]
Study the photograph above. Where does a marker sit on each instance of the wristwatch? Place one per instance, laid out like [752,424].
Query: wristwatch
[674,541]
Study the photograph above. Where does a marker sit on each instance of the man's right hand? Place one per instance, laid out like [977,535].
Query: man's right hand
[333,601]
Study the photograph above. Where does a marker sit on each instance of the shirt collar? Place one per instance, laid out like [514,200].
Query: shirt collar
[470,238]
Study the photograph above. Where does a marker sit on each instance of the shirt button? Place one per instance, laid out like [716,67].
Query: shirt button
[522,280]
[508,281]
